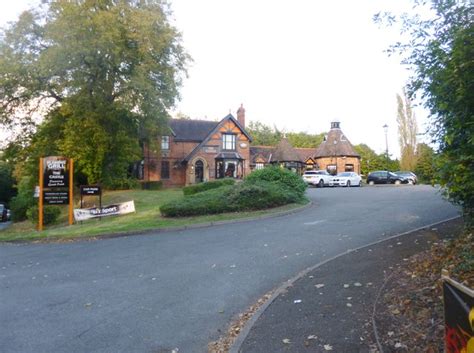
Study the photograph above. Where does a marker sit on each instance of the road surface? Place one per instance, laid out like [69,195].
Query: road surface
[155,293]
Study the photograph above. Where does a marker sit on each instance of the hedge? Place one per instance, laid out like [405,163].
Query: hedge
[244,196]
[197,188]
[281,175]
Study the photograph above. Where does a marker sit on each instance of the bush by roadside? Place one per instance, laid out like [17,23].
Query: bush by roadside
[24,200]
[50,214]
[232,198]
[197,188]
[281,175]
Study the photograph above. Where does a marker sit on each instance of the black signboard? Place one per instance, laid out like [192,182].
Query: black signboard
[56,197]
[87,190]
[56,172]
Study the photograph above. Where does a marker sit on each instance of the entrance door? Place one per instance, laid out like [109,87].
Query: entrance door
[199,172]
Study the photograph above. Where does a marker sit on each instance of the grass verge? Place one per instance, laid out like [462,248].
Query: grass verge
[146,218]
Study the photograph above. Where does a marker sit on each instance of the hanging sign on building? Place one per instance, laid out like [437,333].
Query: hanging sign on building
[55,172]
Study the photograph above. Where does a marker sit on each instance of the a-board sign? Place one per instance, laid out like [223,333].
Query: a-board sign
[56,197]
[55,172]
[458,317]
[87,190]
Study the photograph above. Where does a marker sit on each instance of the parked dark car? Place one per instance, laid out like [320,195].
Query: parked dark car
[3,213]
[412,178]
[385,177]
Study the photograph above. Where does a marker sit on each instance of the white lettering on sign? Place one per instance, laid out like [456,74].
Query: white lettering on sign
[56,165]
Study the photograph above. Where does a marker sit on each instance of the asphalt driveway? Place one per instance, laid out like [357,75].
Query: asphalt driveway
[155,293]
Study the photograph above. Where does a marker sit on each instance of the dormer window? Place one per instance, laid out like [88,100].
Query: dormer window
[228,142]
[165,143]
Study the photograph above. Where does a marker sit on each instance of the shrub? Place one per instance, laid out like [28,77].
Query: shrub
[207,202]
[24,200]
[260,195]
[152,185]
[197,188]
[244,196]
[282,175]
[50,214]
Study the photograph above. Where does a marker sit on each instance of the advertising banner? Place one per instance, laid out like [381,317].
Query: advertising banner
[82,214]
[458,317]
[56,172]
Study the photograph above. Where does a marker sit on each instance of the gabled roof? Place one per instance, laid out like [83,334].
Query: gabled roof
[305,153]
[191,130]
[214,130]
[284,152]
[336,144]
[264,152]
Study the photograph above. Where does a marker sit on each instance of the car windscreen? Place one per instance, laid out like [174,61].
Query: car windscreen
[344,174]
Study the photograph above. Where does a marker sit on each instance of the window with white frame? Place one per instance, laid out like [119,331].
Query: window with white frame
[259,166]
[228,142]
[165,143]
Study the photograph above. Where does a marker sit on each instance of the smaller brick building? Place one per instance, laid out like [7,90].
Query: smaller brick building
[336,154]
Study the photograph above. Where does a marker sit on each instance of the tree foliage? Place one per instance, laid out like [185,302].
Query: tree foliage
[371,161]
[425,163]
[7,189]
[106,72]
[264,135]
[440,53]
[407,130]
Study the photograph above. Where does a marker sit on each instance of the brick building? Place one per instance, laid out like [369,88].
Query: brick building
[335,154]
[199,150]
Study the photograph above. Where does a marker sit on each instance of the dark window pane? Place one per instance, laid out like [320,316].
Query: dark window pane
[165,170]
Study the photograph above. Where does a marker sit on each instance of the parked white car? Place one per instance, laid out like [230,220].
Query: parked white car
[318,178]
[346,179]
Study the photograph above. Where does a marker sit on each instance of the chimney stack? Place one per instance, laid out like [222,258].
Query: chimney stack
[241,115]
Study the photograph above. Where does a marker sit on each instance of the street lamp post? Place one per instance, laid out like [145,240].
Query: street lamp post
[385,129]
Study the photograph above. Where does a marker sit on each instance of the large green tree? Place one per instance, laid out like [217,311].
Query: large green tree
[371,161]
[440,52]
[105,73]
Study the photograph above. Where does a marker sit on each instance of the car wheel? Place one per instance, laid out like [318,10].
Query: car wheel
[321,183]
[371,182]
[411,182]
[348,183]
[360,183]
[397,182]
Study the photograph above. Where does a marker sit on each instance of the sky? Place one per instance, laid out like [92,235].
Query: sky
[295,65]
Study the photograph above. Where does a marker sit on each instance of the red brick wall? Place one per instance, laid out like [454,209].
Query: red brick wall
[340,162]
